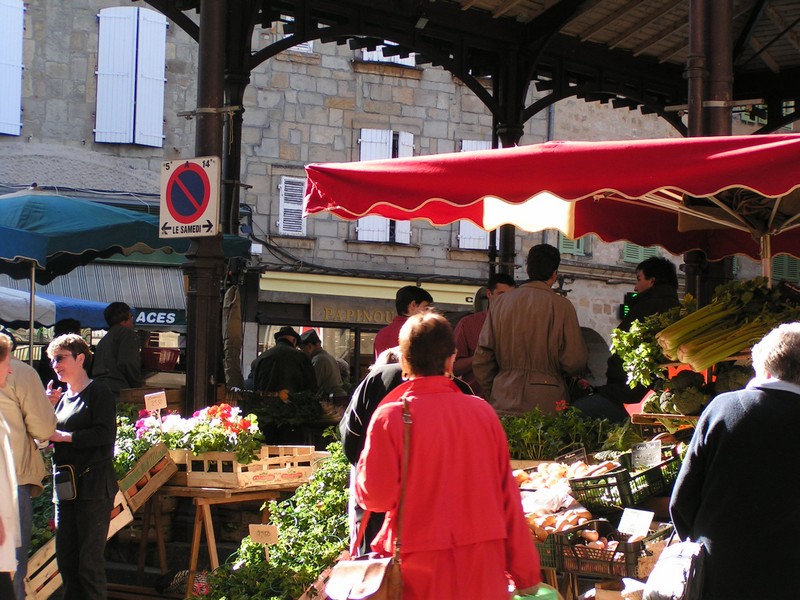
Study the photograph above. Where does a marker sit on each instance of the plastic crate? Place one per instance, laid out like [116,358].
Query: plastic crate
[576,557]
[548,552]
[611,492]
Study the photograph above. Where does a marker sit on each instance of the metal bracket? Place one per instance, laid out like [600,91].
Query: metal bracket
[229,110]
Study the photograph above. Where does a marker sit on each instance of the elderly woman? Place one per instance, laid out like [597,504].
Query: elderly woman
[84,440]
[462,522]
[9,513]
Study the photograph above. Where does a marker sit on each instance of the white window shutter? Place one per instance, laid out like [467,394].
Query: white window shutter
[374,144]
[150,69]
[470,145]
[378,56]
[470,236]
[402,232]
[291,210]
[405,144]
[12,22]
[116,66]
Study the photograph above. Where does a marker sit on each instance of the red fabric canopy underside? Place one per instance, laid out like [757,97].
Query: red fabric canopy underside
[447,187]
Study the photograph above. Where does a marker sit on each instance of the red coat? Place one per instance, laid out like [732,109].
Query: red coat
[460,498]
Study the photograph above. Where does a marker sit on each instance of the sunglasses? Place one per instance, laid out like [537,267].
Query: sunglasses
[59,357]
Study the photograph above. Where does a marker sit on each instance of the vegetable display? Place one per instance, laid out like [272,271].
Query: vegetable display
[740,314]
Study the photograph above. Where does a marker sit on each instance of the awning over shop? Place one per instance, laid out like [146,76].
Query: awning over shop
[89,289]
[363,287]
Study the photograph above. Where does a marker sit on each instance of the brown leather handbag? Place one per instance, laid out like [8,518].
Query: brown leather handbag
[367,577]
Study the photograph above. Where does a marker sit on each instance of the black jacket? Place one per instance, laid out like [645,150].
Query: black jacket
[659,298]
[283,367]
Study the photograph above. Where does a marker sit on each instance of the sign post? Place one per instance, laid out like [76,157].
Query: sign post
[190,197]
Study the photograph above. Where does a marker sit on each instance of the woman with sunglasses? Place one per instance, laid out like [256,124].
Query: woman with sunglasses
[84,440]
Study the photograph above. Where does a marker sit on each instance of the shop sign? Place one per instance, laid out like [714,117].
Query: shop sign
[144,317]
[361,311]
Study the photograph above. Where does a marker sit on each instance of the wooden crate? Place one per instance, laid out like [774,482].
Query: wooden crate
[150,472]
[43,577]
[277,466]
[121,515]
[179,457]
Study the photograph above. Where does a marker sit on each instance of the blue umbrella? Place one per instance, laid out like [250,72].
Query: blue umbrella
[54,234]
[44,235]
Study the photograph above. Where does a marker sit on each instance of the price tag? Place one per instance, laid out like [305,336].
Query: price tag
[155,401]
[264,534]
[574,456]
[635,522]
[646,455]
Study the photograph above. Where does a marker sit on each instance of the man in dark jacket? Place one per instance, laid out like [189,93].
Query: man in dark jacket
[117,360]
[740,465]
[284,367]
[656,291]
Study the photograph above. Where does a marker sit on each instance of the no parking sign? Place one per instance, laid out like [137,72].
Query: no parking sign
[190,197]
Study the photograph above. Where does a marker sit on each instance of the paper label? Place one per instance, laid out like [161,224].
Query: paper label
[635,522]
[156,400]
[646,455]
[264,534]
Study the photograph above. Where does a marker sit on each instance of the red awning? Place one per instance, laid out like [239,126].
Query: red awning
[723,195]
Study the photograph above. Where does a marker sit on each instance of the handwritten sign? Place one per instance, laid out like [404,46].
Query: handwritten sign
[155,400]
[264,534]
[646,455]
[635,522]
[574,456]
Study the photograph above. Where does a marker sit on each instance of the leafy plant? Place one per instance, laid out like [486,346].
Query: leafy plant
[540,436]
[286,408]
[312,532]
[44,526]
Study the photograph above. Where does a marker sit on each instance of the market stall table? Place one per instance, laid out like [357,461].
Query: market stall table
[203,499]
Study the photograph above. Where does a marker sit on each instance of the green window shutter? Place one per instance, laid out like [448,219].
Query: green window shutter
[568,246]
[785,267]
[631,253]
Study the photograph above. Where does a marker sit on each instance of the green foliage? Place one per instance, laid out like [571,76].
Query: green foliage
[312,532]
[44,527]
[622,438]
[641,355]
[296,408]
[127,448]
[539,436]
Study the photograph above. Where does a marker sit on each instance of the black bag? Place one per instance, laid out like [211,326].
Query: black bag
[64,482]
[678,573]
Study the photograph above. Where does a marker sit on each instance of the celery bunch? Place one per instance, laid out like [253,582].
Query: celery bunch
[739,315]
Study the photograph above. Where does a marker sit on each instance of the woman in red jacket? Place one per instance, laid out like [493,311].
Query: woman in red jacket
[463,528]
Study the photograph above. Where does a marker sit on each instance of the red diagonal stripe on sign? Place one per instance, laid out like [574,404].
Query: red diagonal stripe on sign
[187,192]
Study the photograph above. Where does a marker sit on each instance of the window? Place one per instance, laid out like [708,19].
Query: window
[631,253]
[470,236]
[568,246]
[12,18]
[288,29]
[291,220]
[785,267]
[130,76]
[384,143]
[377,55]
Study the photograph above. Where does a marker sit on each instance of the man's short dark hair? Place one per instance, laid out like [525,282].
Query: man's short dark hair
[543,261]
[66,326]
[659,268]
[116,313]
[408,294]
[496,278]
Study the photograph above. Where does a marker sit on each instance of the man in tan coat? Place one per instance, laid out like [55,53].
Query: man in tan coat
[531,337]
[30,416]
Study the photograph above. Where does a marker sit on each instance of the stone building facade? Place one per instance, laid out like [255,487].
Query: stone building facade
[308,104]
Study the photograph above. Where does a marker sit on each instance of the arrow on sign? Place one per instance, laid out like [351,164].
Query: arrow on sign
[208,225]
[165,228]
